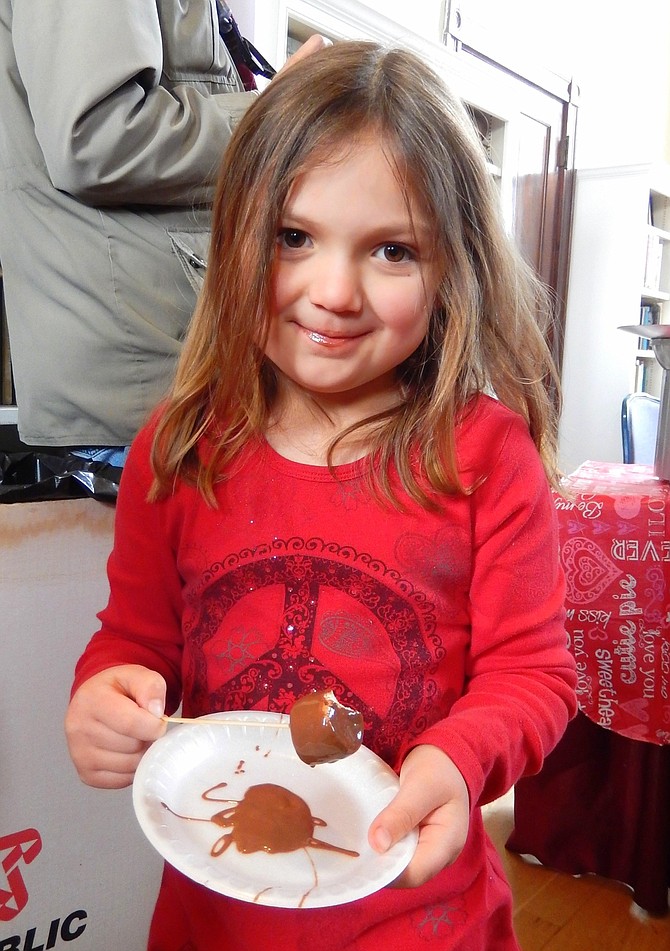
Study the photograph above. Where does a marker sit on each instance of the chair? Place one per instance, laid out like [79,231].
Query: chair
[639,427]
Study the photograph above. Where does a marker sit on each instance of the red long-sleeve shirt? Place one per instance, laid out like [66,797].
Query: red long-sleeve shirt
[442,627]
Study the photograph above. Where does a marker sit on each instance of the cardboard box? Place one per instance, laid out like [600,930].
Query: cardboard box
[76,871]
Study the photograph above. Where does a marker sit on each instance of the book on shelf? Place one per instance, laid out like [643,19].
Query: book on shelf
[649,314]
[641,376]
[653,261]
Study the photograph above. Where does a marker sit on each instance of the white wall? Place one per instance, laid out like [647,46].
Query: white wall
[621,65]
[608,246]
[258,18]
[425,17]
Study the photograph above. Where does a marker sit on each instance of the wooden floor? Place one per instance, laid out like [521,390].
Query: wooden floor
[558,912]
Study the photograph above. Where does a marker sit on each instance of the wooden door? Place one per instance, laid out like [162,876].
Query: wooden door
[543,195]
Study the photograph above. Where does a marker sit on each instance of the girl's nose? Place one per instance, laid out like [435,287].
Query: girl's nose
[335,284]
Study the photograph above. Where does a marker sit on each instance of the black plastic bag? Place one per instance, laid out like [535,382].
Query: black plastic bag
[38,476]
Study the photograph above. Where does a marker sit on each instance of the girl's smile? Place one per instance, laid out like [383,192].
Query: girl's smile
[330,339]
[353,282]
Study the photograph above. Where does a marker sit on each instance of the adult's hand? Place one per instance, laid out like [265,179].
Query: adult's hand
[315,43]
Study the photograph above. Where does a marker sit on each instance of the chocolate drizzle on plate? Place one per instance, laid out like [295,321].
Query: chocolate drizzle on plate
[269,818]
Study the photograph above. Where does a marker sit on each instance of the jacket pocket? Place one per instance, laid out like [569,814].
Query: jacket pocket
[191,249]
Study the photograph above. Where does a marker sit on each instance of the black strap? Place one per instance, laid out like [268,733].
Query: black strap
[243,53]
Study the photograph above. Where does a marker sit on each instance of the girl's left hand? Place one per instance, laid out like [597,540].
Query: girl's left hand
[433,796]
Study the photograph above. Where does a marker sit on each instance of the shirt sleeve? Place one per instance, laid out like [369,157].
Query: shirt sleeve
[141,623]
[109,131]
[520,690]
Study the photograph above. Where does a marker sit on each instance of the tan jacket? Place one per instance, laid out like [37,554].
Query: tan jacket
[113,118]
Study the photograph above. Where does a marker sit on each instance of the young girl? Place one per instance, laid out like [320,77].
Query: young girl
[347,487]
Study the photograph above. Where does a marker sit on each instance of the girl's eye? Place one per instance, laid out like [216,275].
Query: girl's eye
[395,253]
[292,238]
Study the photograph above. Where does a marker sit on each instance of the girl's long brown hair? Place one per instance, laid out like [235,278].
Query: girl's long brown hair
[488,317]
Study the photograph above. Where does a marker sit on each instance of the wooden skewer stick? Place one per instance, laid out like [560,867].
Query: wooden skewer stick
[226,722]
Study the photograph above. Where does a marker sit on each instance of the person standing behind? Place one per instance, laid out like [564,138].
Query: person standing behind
[113,118]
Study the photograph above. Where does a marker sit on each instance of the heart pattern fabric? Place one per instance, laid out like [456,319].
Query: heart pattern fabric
[588,571]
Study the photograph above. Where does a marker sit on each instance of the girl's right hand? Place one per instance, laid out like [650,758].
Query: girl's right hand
[111,720]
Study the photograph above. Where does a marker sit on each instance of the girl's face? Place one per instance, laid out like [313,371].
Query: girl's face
[353,282]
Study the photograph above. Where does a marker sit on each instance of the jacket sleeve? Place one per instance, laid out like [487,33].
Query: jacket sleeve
[114,128]
[520,690]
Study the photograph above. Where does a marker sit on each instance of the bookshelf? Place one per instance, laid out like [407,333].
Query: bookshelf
[655,282]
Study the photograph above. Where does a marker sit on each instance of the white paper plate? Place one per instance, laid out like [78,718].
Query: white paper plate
[347,795]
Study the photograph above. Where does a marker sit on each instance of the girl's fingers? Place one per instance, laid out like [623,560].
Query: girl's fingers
[404,813]
[110,723]
[441,840]
[432,797]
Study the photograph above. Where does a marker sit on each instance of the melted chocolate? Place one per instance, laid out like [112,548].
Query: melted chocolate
[323,730]
[269,818]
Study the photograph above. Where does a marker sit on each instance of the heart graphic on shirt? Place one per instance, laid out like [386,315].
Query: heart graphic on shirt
[588,572]
[433,556]
[637,708]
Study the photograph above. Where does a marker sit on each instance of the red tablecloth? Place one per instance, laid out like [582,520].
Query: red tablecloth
[601,804]
[615,550]
[602,801]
